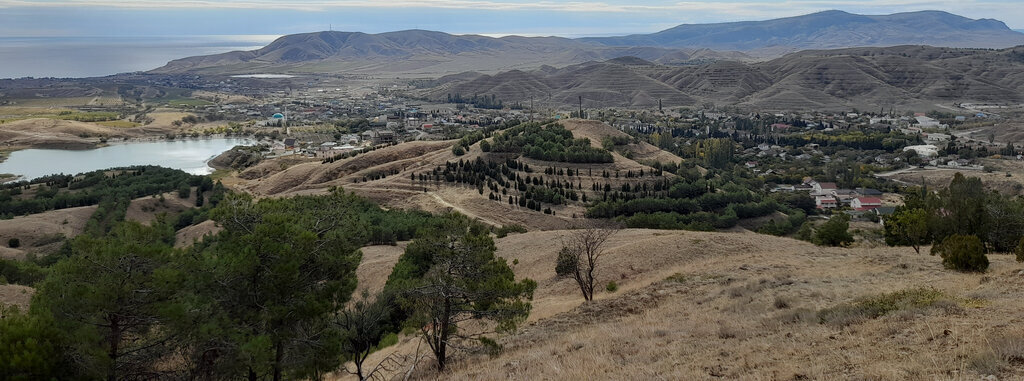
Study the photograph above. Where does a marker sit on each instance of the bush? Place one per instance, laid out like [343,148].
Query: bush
[568,262]
[458,150]
[806,232]
[611,287]
[880,305]
[834,232]
[14,243]
[962,253]
[504,231]
[21,272]
[184,191]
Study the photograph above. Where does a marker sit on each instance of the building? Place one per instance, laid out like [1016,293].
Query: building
[926,122]
[868,192]
[823,188]
[826,202]
[379,136]
[865,203]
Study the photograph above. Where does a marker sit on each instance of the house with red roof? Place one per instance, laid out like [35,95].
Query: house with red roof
[866,203]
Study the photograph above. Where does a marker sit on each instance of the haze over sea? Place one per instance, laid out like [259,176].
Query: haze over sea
[101,56]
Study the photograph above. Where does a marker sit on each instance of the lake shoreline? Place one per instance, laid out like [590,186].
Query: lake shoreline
[193,157]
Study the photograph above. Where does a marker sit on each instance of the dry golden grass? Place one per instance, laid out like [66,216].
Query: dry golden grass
[55,133]
[41,229]
[694,305]
[595,131]
[165,118]
[191,234]
[70,102]
[16,295]
[995,180]
[376,265]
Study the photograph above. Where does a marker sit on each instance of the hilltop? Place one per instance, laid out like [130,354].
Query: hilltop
[808,80]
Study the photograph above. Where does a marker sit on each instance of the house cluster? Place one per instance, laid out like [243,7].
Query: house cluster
[829,196]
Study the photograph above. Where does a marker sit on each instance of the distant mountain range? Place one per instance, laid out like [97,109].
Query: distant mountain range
[426,53]
[831,30]
[420,52]
[867,78]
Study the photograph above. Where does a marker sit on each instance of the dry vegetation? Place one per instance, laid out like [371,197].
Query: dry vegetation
[38,232]
[146,209]
[16,295]
[697,305]
[996,180]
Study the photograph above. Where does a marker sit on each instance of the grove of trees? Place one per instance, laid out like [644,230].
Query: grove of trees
[266,298]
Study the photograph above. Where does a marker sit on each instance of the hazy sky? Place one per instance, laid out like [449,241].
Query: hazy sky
[495,17]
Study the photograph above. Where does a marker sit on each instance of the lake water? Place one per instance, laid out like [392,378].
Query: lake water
[189,155]
[100,56]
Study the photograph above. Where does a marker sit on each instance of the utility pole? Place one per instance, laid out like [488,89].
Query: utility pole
[659,106]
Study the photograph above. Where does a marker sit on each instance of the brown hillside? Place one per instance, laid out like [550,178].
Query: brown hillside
[276,178]
[906,76]
[42,229]
[695,305]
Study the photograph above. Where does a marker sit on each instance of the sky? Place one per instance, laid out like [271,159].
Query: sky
[24,18]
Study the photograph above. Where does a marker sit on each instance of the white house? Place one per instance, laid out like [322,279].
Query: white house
[825,202]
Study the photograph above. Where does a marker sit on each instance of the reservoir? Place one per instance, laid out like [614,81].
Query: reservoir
[189,155]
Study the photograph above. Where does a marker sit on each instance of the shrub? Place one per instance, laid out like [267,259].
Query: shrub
[184,191]
[612,286]
[962,253]
[504,231]
[806,232]
[881,305]
[568,262]
[834,232]
[14,243]
[458,150]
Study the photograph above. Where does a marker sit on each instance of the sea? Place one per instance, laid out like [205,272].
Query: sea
[76,57]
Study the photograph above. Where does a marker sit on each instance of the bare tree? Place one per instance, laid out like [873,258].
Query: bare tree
[580,255]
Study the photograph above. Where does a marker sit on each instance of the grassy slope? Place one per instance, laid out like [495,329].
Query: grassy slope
[744,309]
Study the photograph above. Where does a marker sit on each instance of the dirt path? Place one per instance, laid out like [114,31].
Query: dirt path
[463,211]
